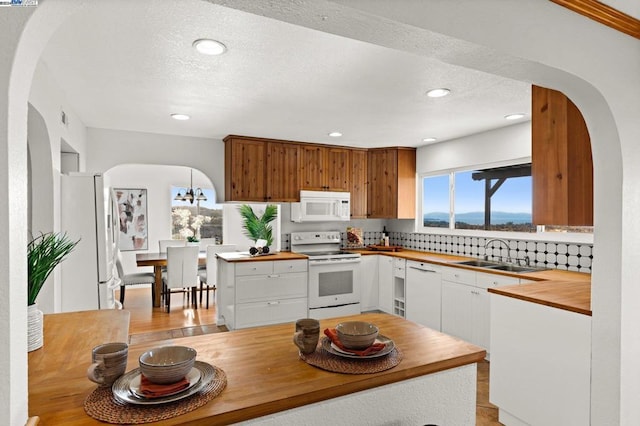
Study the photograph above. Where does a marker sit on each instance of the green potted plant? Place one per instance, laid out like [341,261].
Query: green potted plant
[259,229]
[44,253]
[193,240]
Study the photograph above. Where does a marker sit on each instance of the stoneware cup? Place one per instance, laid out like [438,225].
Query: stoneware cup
[109,363]
[307,334]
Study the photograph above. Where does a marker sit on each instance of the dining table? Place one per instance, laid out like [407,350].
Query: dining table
[159,260]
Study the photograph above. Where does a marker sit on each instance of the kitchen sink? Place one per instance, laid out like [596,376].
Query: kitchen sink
[514,268]
[498,266]
[478,263]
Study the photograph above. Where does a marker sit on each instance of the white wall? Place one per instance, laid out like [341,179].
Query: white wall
[496,147]
[46,103]
[157,180]
[110,148]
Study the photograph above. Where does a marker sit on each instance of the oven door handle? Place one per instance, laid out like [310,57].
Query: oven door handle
[333,261]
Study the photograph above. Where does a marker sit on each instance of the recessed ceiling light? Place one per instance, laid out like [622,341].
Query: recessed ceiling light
[429,140]
[438,93]
[514,116]
[181,117]
[209,47]
[335,134]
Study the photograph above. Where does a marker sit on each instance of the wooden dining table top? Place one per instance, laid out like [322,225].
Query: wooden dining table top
[160,258]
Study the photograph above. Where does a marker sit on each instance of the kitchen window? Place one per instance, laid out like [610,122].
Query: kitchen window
[495,199]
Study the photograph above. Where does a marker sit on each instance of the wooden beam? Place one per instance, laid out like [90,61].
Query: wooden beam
[604,14]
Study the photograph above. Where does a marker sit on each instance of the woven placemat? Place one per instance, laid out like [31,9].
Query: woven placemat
[337,364]
[101,405]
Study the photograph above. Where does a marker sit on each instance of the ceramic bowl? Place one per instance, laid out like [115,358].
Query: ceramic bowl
[167,364]
[356,334]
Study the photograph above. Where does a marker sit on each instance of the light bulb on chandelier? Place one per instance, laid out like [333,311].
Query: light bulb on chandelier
[190,194]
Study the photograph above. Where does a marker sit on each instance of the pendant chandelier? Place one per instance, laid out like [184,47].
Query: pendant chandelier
[190,194]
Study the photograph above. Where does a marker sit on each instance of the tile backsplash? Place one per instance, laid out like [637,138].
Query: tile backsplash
[553,255]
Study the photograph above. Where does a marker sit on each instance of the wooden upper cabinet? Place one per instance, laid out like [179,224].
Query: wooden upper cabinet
[359,183]
[283,176]
[324,168]
[244,169]
[261,170]
[561,163]
[392,183]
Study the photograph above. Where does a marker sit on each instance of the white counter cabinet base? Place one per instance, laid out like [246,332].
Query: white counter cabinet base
[540,363]
[444,398]
[261,292]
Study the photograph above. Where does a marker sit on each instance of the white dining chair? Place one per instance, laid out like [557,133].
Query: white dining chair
[182,273]
[208,277]
[163,244]
[133,278]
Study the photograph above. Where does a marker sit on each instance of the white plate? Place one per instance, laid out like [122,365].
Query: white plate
[333,349]
[122,387]
[134,385]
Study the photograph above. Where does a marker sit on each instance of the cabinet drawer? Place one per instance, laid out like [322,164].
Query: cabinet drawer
[459,275]
[254,268]
[493,280]
[399,263]
[252,288]
[271,312]
[285,266]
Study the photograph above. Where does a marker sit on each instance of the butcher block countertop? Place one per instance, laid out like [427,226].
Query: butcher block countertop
[264,372]
[237,256]
[566,290]
[58,381]
[574,296]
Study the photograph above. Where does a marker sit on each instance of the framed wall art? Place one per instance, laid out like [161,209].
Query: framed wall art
[132,218]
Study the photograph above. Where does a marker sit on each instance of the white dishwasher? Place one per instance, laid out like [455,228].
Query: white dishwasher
[423,289]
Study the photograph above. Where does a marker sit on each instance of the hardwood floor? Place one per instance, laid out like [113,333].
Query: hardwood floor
[155,324]
[150,324]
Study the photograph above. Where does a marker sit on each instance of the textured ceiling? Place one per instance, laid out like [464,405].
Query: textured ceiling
[128,65]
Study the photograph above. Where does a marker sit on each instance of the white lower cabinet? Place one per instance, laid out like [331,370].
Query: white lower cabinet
[262,292]
[540,364]
[369,296]
[385,284]
[465,303]
[423,293]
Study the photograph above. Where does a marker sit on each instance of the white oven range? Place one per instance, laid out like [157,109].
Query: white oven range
[334,284]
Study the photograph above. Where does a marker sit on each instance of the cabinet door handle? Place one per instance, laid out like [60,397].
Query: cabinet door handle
[421,270]
[277,302]
[273,276]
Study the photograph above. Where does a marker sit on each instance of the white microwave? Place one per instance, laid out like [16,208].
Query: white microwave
[321,206]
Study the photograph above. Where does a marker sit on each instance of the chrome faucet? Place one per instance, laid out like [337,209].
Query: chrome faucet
[506,244]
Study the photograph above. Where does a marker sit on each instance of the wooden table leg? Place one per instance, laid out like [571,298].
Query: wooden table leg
[158,286]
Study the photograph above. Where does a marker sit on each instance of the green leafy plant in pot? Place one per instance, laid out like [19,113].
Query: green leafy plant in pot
[259,228]
[44,253]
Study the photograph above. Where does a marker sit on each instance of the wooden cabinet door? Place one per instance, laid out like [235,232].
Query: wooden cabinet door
[561,163]
[283,172]
[244,170]
[337,169]
[312,167]
[358,184]
[382,189]
[324,168]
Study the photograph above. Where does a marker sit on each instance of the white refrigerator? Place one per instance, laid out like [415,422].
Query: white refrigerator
[87,213]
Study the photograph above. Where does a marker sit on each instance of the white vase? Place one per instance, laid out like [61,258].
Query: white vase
[35,338]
